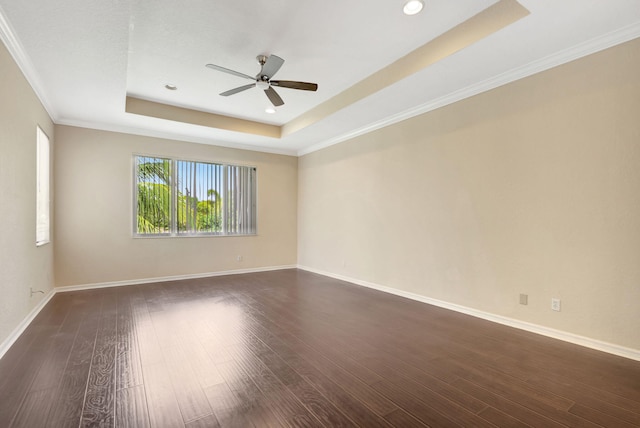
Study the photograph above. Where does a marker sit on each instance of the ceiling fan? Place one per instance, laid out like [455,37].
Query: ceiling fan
[269,65]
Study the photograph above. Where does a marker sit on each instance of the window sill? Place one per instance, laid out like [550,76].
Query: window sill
[191,236]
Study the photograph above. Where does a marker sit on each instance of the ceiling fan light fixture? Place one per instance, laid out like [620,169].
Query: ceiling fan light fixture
[413,7]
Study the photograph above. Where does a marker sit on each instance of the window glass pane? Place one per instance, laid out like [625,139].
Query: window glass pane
[200,197]
[42,188]
[211,205]
[153,187]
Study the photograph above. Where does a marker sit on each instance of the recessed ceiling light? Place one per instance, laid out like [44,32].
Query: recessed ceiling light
[170,87]
[413,7]
[270,110]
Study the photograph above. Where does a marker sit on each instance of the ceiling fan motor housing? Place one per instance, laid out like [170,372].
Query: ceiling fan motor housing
[262,81]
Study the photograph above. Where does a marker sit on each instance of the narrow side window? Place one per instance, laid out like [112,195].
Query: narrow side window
[43,223]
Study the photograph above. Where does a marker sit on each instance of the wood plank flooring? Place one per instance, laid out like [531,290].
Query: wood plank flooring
[294,349]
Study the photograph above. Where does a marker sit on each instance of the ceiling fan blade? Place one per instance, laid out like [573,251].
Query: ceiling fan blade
[239,89]
[226,70]
[273,97]
[272,66]
[305,86]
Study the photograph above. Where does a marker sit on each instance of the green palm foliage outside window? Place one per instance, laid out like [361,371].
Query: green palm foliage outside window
[182,198]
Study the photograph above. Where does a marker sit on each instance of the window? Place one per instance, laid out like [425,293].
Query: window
[187,198]
[42,188]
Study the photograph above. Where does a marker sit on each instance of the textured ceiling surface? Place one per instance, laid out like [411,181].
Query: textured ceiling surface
[85,57]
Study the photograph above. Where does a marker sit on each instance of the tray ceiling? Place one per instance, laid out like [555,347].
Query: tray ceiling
[105,64]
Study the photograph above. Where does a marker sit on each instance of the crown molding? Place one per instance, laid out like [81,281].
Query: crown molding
[15,48]
[589,47]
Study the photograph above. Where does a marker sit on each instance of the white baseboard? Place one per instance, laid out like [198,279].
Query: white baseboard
[610,348]
[167,278]
[587,342]
[15,334]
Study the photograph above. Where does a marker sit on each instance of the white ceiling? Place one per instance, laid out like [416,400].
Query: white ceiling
[83,57]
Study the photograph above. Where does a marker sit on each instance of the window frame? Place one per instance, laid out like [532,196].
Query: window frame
[43,189]
[173,233]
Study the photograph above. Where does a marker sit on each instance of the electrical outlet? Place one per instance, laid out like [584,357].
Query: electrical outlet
[239,258]
[555,304]
[524,299]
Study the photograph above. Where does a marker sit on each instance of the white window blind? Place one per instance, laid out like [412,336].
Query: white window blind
[42,188]
[185,198]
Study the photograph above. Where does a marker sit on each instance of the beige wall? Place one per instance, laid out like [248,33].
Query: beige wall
[22,265]
[94,184]
[532,188]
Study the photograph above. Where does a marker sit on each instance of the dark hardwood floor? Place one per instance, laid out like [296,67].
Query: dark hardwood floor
[290,348]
